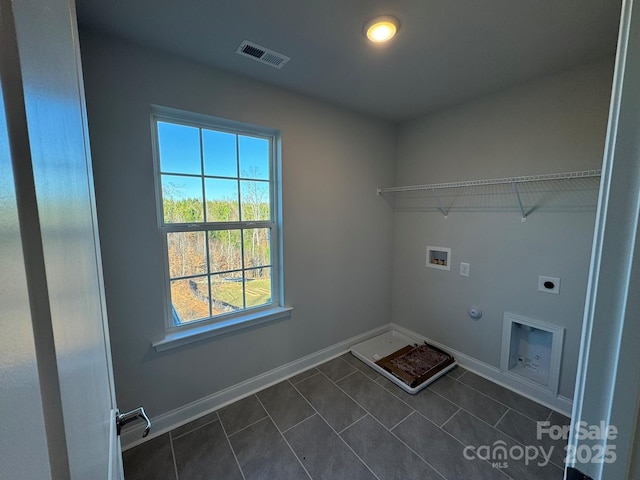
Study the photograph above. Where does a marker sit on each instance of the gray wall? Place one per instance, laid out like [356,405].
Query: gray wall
[554,125]
[337,235]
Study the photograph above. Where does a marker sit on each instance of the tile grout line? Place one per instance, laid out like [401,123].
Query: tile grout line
[409,448]
[173,456]
[337,434]
[384,390]
[296,455]
[285,439]
[483,421]
[320,415]
[299,423]
[456,439]
[304,379]
[447,420]
[308,402]
[410,413]
[367,413]
[292,385]
[495,425]
[549,416]
[353,423]
[193,430]
[500,432]
[399,397]
[502,403]
[349,446]
[459,408]
[233,452]
[388,430]
[519,442]
[248,426]
[345,376]
[365,371]
[484,394]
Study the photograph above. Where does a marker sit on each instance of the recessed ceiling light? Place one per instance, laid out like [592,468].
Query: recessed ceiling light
[381,29]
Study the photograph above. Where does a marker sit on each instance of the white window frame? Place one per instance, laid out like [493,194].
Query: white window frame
[177,335]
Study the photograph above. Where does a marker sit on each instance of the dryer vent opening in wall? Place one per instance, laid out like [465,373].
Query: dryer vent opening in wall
[531,351]
[261,54]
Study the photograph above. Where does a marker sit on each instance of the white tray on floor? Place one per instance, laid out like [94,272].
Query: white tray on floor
[379,347]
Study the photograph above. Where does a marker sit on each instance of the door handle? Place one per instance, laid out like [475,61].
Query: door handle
[123,418]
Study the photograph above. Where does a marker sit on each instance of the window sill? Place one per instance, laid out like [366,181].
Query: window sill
[186,335]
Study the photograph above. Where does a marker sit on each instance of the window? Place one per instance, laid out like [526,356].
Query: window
[217,195]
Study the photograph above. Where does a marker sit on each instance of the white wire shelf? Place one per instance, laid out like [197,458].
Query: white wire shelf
[568,191]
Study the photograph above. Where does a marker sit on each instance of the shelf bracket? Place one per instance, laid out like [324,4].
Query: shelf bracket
[517,192]
[444,213]
[390,199]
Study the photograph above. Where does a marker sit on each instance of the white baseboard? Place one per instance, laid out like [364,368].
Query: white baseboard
[558,403]
[132,436]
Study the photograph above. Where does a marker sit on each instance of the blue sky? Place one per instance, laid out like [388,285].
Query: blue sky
[180,153]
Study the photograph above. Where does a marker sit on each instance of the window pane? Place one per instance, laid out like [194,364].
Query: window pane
[217,195]
[220,157]
[257,247]
[258,286]
[254,157]
[222,200]
[255,201]
[190,298]
[224,251]
[179,148]
[182,199]
[187,254]
[226,292]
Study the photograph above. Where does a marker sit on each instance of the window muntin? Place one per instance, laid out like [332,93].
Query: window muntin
[216,195]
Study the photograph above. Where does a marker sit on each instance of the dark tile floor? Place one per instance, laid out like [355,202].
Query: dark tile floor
[342,420]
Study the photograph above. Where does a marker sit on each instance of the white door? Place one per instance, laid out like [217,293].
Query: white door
[608,384]
[60,320]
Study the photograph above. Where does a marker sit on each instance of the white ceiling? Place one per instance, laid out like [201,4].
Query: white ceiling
[446,51]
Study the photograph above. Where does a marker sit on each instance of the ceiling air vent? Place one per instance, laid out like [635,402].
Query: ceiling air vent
[261,54]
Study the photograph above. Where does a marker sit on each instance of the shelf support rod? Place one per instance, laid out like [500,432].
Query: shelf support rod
[444,213]
[517,192]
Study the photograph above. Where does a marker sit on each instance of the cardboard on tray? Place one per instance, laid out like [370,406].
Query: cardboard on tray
[415,364]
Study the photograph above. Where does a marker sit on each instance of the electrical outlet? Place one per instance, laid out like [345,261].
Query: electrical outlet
[464,269]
